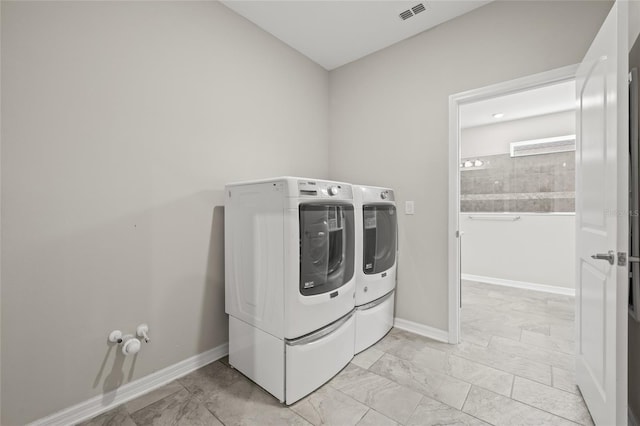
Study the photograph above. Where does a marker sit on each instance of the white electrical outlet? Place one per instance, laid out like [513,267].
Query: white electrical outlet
[409,207]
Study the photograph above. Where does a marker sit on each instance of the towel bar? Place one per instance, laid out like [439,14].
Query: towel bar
[496,218]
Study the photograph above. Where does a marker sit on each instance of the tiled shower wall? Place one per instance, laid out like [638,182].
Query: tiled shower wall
[542,183]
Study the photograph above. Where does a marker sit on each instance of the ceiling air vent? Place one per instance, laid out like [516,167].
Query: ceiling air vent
[418,8]
[543,146]
[413,11]
[406,15]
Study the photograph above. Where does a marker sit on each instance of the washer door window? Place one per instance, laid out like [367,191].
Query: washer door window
[380,228]
[326,247]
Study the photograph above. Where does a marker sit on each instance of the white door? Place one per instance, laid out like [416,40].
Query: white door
[602,221]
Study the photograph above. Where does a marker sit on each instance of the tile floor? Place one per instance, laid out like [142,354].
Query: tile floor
[514,367]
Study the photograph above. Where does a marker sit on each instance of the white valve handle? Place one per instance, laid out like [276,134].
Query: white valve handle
[142,331]
[115,336]
[130,345]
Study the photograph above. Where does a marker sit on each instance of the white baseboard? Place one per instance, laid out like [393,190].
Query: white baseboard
[423,330]
[520,284]
[631,418]
[94,406]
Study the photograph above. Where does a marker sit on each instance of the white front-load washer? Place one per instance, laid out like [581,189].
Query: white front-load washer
[290,282]
[376,263]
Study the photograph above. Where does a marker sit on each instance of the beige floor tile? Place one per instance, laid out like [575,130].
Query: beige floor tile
[544,329]
[153,396]
[179,409]
[500,325]
[421,355]
[555,401]
[210,379]
[499,410]
[373,418]
[532,352]
[244,403]
[554,343]
[473,335]
[116,417]
[383,395]
[393,339]
[506,362]
[433,413]
[565,331]
[432,383]
[564,379]
[367,358]
[329,406]
[480,375]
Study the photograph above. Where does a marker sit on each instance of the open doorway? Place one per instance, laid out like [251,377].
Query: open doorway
[517,189]
[515,215]
[517,218]
[517,221]
[500,188]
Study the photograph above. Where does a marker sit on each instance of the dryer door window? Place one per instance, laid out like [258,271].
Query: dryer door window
[380,235]
[326,247]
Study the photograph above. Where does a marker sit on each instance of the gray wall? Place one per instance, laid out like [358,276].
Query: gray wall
[492,139]
[389,118]
[121,123]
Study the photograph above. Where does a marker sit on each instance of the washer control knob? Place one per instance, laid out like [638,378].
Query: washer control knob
[333,190]
[384,195]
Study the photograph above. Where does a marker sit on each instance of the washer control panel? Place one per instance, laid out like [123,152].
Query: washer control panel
[324,189]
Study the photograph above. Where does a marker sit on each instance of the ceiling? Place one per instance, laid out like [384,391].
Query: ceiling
[545,100]
[333,33]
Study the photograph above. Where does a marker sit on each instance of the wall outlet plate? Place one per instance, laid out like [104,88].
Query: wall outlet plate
[409,207]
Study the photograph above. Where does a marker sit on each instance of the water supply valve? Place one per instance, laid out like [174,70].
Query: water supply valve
[130,345]
[142,332]
[115,336]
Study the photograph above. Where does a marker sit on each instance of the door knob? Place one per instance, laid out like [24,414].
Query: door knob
[610,256]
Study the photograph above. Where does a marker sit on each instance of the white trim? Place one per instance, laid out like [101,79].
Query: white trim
[423,330]
[455,101]
[521,284]
[94,406]
[631,418]
[454,221]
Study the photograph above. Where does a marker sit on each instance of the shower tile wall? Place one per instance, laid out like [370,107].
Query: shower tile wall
[542,183]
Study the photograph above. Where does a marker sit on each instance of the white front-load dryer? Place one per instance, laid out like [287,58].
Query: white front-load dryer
[376,263]
[290,281]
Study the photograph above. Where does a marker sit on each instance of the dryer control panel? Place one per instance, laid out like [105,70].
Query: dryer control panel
[324,189]
[372,194]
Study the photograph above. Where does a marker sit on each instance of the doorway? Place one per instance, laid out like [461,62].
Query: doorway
[489,201]
[515,191]
[517,216]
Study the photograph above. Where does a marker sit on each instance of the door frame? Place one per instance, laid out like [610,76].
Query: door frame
[456,100]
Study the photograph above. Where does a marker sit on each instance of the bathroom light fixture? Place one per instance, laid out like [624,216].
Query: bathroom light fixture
[467,164]
[498,115]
